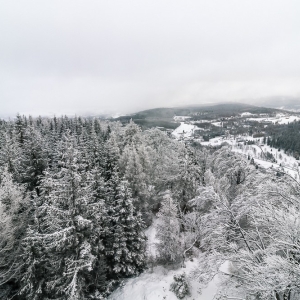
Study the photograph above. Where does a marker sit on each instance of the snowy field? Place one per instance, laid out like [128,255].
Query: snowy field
[285,163]
[279,119]
[181,118]
[184,130]
[218,124]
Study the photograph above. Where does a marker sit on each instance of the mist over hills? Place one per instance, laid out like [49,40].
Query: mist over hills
[210,111]
[286,103]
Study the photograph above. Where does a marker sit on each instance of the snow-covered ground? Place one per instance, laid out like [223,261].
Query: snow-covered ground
[218,124]
[181,118]
[155,284]
[184,130]
[152,240]
[246,114]
[280,119]
[285,163]
[218,141]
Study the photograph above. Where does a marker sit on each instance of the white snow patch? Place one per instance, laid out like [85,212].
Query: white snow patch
[289,119]
[156,286]
[184,130]
[285,163]
[279,119]
[246,114]
[217,141]
[218,124]
[152,240]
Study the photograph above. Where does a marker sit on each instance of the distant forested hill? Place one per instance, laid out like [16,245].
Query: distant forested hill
[163,117]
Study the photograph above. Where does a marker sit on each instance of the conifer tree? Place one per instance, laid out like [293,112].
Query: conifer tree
[65,239]
[10,154]
[135,174]
[132,134]
[95,149]
[34,159]
[125,243]
[20,126]
[14,218]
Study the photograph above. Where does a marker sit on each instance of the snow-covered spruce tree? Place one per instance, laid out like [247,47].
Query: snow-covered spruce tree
[148,191]
[137,178]
[34,159]
[95,148]
[10,153]
[112,156]
[168,231]
[125,239]
[63,246]
[14,218]
[132,134]
[20,125]
[97,278]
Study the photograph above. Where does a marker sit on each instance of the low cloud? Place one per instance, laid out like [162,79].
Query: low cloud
[103,57]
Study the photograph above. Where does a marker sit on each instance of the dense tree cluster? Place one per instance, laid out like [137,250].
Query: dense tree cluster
[286,137]
[75,197]
[77,194]
[245,224]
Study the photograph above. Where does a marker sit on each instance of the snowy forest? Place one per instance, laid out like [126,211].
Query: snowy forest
[77,194]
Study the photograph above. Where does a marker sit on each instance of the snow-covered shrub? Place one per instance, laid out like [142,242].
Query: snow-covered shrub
[180,286]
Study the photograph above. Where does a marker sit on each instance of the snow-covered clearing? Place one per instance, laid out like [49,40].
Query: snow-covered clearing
[155,284]
[258,152]
[184,130]
[285,163]
[218,141]
[217,124]
[246,114]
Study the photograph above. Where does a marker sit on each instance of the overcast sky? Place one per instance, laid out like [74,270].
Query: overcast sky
[69,56]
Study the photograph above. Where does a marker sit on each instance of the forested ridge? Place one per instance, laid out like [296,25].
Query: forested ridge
[76,196]
[286,137]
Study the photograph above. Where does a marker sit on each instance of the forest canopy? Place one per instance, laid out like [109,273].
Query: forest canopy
[76,195]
